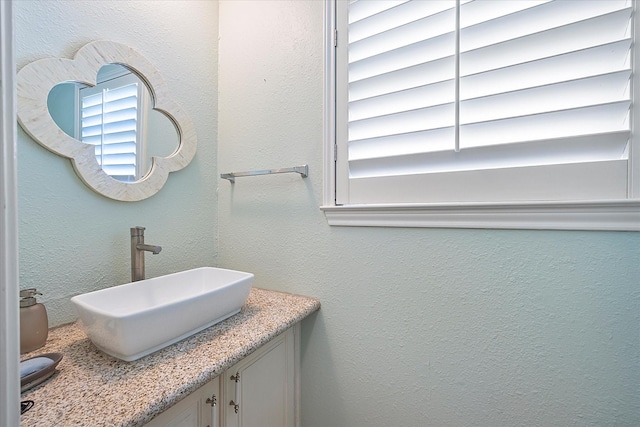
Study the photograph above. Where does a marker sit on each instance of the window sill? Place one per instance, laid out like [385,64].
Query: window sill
[611,215]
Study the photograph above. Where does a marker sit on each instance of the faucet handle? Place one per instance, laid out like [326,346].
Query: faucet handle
[137,231]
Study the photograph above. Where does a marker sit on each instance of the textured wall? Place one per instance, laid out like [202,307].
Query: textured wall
[73,240]
[417,326]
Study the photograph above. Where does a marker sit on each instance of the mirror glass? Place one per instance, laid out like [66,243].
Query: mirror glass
[117,117]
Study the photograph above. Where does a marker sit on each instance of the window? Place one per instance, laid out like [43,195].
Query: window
[482,113]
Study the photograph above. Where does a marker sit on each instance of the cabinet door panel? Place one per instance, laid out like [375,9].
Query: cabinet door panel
[264,393]
[263,390]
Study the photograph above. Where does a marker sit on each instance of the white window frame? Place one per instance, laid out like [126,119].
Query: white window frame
[618,215]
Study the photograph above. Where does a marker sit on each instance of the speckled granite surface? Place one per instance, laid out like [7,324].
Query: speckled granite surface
[94,389]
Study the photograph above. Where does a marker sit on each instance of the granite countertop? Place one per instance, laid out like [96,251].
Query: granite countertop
[94,389]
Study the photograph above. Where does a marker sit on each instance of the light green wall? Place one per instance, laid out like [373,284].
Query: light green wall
[73,240]
[418,327]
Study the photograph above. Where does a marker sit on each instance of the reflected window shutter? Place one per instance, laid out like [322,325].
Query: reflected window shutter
[439,91]
[110,122]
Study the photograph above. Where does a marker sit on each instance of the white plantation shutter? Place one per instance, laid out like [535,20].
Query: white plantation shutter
[482,101]
[109,120]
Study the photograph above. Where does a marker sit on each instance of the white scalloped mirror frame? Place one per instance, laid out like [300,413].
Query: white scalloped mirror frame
[35,81]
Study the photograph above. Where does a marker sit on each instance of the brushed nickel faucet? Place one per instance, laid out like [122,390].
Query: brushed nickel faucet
[138,248]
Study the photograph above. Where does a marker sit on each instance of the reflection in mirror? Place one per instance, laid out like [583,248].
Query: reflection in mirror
[117,117]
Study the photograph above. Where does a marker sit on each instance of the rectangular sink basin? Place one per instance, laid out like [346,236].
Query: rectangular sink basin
[133,320]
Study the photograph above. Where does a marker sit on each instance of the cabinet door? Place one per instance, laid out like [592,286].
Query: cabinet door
[260,390]
[199,409]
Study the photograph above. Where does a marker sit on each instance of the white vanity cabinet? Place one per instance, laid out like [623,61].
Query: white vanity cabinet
[262,390]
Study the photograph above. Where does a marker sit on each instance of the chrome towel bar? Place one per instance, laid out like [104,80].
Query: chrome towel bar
[302,170]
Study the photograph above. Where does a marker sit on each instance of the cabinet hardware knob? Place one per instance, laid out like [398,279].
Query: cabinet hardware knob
[235,406]
[235,377]
[212,400]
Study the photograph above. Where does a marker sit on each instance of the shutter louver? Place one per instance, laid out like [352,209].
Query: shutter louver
[539,84]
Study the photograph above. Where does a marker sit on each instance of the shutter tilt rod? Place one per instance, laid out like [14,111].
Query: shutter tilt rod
[302,170]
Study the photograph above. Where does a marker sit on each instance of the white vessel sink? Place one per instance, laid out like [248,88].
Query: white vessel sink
[133,320]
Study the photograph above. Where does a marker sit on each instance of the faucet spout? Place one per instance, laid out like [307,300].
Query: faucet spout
[149,248]
[138,248]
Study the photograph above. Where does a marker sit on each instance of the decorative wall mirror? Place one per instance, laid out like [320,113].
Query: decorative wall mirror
[109,111]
